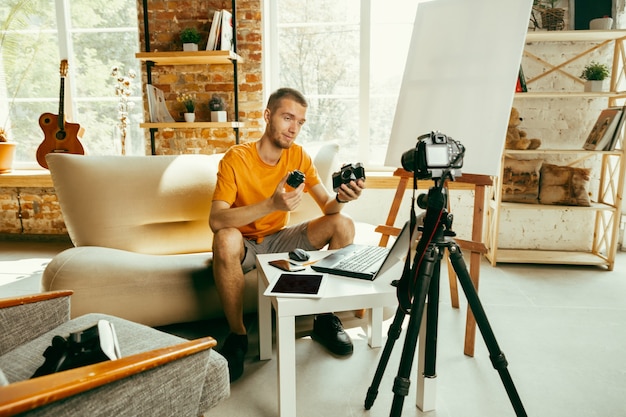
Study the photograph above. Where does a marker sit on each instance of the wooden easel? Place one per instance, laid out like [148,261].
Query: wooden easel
[475,246]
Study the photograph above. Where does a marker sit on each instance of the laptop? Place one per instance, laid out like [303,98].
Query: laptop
[365,261]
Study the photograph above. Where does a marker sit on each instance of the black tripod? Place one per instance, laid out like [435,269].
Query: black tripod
[417,282]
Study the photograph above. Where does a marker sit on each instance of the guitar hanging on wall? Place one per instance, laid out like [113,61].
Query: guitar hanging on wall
[60,136]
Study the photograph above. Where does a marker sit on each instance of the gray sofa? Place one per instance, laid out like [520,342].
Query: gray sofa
[158,374]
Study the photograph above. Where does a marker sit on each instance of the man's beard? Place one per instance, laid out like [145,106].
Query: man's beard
[276,139]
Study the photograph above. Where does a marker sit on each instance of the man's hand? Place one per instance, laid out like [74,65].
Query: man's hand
[350,191]
[287,200]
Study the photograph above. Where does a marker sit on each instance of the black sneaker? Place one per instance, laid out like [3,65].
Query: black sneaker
[327,330]
[234,350]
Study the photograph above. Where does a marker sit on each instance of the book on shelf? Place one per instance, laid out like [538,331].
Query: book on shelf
[213,32]
[521,82]
[605,129]
[226,34]
[618,132]
[156,105]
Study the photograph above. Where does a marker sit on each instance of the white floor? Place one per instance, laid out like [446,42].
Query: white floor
[563,330]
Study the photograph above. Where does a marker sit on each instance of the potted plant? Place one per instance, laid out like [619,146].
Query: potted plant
[595,74]
[7,152]
[217,107]
[190,38]
[552,17]
[188,100]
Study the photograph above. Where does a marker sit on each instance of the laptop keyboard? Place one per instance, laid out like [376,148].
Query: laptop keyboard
[363,259]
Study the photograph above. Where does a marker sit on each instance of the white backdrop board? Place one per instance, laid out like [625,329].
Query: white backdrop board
[460,77]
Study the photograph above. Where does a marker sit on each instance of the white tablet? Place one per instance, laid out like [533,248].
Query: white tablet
[298,285]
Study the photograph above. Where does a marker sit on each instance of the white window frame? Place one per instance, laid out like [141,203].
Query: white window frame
[64,32]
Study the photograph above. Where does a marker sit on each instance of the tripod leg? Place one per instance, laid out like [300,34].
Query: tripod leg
[402,382]
[392,335]
[495,354]
[427,363]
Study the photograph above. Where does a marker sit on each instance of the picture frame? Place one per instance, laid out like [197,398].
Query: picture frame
[604,129]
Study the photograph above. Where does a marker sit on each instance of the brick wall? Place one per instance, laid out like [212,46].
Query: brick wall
[30,211]
[166,19]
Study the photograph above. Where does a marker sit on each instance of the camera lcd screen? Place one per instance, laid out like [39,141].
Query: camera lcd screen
[437,156]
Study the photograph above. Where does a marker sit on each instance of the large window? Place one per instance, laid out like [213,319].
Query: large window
[347,57]
[94,36]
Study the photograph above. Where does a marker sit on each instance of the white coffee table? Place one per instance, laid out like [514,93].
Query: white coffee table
[341,294]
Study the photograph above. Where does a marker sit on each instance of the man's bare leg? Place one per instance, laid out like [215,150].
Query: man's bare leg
[336,231]
[228,251]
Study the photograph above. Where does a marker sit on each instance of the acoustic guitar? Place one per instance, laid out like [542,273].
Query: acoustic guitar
[59,136]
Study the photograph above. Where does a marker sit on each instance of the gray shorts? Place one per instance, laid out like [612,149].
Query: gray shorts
[284,240]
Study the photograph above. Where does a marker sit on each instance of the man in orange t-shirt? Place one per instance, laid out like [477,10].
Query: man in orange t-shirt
[250,211]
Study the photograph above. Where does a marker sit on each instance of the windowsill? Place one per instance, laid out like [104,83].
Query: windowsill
[26,178]
[380,180]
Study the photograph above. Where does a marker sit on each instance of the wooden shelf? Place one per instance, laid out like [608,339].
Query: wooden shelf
[26,178]
[189,58]
[531,256]
[527,206]
[571,94]
[608,200]
[574,35]
[194,125]
[570,151]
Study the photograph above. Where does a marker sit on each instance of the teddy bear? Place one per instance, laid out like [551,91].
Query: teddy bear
[516,138]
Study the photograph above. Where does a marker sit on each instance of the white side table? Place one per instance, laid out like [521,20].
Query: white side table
[341,294]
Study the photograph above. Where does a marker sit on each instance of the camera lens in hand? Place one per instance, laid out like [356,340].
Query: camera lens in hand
[295,179]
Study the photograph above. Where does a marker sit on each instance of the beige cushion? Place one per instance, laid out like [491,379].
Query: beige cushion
[564,185]
[154,290]
[144,204]
[520,180]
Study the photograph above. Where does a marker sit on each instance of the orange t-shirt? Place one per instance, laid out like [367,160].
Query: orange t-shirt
[244,179]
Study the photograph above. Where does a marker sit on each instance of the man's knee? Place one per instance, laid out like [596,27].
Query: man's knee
[228,242]
[334,227]
[341,221]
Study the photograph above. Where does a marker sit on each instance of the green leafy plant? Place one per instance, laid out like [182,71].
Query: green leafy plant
[190,35]
[595,71]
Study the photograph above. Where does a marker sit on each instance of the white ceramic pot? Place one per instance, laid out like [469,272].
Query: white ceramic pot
[7,153]
[218,116]
[595,86]
[190,117]
[602,23]
[190,46]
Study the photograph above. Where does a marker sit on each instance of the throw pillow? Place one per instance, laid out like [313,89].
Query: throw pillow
[520,180]
[564,185]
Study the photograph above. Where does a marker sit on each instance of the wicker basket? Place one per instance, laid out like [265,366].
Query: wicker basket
[552,18]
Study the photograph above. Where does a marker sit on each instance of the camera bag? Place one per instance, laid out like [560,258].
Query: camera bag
[96,344]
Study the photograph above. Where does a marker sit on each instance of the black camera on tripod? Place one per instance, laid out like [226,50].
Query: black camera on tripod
[433,154]
[347,173]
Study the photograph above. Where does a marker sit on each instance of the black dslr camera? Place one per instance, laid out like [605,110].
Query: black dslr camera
[347,173]
[93,345]
[295,178]
[434,154]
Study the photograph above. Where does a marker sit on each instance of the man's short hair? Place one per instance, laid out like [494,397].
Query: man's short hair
[289,93]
